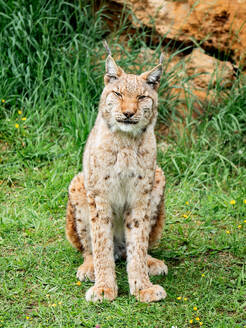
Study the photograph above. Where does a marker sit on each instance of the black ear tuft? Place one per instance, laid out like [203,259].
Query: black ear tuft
[107,47]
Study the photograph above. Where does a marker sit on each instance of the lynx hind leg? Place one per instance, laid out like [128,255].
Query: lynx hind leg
[77,226]
[157,208]
[157,267]
[71,232]
[86,270]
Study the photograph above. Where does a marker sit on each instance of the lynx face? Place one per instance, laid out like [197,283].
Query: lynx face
[130,101]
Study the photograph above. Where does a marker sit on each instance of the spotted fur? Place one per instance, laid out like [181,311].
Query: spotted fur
[116,205]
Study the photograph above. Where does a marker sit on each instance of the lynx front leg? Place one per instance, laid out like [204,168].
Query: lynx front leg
[137,238]
[103,255]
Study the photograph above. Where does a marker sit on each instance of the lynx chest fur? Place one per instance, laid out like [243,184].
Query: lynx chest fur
[118,166]
[116,206]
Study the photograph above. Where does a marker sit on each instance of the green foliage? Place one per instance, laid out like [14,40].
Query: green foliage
[51,71]
[47,67]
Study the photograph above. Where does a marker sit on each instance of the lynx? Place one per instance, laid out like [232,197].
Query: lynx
[116,206]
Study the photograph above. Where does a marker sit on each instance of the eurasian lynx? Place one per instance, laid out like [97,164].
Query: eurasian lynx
[116,206]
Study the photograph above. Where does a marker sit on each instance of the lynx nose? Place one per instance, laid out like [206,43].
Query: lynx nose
[128,114]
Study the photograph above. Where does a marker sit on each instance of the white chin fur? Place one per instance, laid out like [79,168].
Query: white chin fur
[133,129]
[127,127]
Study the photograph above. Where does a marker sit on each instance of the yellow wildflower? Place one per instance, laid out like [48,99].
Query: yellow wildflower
[23,118]
[78,283]
[59,303]
[19,112]
[244,222]
[3,101]
[187,203]
[244,203]
[54,304]
[232,202]
[197,319]
[185,216]
[191,321]
[239,226]
[195,308]
[17,126]
[203,274]
[228,231]
[179,298]
[201,323]
[27,318]
[185,298]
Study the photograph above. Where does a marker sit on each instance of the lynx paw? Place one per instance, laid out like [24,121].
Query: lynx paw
[86,270]
[100,292]
[152,294]
[156,267]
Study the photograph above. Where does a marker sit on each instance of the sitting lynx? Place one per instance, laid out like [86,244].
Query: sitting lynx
[116,206]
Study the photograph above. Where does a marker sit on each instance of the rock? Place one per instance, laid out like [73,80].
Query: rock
[194,82]
[206,71]
[219,24]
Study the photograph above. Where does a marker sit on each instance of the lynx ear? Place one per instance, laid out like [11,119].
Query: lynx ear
[153,77]
[113,72]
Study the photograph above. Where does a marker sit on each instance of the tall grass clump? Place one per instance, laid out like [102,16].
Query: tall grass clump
[211,149]
[48,71]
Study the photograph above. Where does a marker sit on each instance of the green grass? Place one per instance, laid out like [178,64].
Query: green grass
[51,70]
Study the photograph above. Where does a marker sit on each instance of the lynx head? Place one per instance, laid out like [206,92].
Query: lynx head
[129,102]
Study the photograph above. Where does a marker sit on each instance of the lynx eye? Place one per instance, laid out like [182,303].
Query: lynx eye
[141,97]
[117,94]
